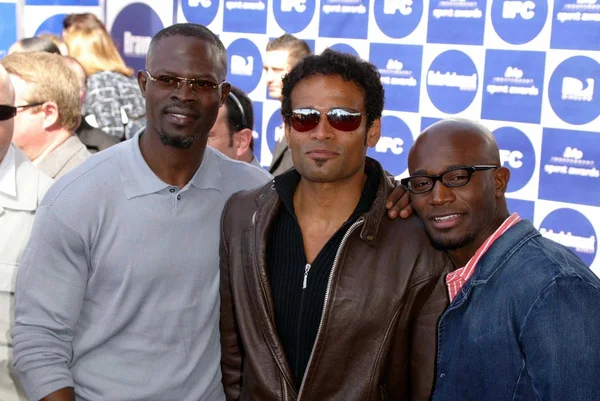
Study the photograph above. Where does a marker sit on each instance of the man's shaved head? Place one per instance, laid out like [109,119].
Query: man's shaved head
[7,98]
[459,218]
[461,134]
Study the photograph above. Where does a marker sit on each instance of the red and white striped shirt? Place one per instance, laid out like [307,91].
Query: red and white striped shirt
[459,277]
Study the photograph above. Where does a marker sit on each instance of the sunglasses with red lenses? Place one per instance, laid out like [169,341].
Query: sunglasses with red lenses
[306,119]
[7,112]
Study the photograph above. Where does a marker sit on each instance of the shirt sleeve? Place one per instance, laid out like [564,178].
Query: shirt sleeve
[560,341]
[49,294]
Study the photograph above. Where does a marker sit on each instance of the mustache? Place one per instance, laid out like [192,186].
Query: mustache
[178,107]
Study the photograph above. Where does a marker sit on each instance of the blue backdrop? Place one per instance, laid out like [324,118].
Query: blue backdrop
[526,69]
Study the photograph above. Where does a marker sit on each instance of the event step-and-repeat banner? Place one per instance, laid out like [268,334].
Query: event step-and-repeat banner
[529,70]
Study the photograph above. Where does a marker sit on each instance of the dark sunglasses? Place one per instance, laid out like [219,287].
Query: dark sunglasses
[7,112]
[303,120]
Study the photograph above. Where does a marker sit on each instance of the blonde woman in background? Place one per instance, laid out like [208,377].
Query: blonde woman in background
[114,102]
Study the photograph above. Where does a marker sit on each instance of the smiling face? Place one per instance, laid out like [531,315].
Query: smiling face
[326,154]
[462,217]
[181,116]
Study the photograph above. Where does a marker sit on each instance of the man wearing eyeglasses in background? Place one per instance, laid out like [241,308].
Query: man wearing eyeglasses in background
[232,132]
[524,312]
[47,99]
[117,299]
[323,296]
[22,187]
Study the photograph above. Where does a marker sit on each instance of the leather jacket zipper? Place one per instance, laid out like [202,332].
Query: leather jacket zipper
[306,270]
[327,291]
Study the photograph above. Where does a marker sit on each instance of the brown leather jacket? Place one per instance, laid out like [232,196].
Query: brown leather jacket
[377,338]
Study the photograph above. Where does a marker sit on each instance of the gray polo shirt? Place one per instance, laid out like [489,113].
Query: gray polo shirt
[118,290]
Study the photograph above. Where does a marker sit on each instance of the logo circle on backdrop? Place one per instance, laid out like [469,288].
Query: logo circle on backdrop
[516,154]
[574,90]
[294,16]
[344,48]
[200,11]
[393,146]
[132,32]
[275,130]
[452,81]
[245,64]
[398,18]
[573,230]
[519,22]
[53,25]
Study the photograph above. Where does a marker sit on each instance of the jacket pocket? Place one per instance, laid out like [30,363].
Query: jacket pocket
[385,396]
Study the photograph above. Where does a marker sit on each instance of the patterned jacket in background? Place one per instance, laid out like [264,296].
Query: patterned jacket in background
[116,102]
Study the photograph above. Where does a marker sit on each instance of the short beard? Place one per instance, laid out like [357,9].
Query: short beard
[178,142]
[450,244]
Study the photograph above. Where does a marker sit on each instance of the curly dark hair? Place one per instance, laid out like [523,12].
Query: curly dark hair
[349,68]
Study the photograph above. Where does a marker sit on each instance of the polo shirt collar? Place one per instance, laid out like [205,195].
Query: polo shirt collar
[26,178]
[8,173]
[139,179]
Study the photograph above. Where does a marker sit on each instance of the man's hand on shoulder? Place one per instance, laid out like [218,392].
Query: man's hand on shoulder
[398,202]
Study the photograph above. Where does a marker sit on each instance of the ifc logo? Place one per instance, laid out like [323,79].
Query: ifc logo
[517,154]
[393,146]
[519,22]
[398,18]
[452,81]
[132,32]
[200,11]
[245,64]
[294,16]
[572,229]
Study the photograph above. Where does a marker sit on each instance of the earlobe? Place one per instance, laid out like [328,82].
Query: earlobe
[51,115]
[374,133]
[242,141]
[225,88]
[142,80]
[502,178]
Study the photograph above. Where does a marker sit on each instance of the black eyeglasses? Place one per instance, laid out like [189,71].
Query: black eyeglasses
[7,112]
[239,105]
[172,82]
[453,178]
[306,119]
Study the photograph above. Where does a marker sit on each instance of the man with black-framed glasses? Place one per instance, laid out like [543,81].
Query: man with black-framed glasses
[22,187]
[232,132]
[48,111]
[524,311]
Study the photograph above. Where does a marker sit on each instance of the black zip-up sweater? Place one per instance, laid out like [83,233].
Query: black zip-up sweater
[298,310]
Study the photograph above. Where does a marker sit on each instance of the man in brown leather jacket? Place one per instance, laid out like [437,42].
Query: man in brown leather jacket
[322,296]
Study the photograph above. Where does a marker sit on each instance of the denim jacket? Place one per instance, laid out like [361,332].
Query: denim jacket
[526,326]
